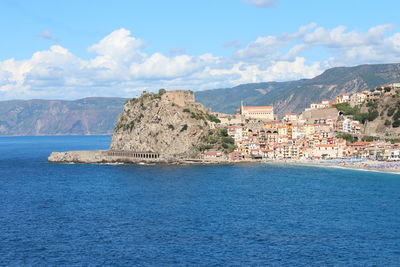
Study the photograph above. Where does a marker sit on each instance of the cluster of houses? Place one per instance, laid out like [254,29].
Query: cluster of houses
[311,135]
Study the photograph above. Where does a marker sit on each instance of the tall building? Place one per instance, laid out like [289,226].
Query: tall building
[258,112]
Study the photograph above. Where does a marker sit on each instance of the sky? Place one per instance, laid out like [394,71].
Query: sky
[74,49]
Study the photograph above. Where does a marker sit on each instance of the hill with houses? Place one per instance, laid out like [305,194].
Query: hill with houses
[295,96]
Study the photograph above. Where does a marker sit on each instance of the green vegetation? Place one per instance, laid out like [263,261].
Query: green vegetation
[391,111]
[160,93]
[396,115]
[199,115]
[372,104]
[132,100]
[125,125]
[396,124]
[368,138]
[186,110]
[170,126]
[184,127]
[362,117]
[346,136]
[372,114]
[213,118]
[393,140]
[218,139]
[346,109]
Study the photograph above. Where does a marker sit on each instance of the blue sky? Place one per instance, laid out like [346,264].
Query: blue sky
[72,49]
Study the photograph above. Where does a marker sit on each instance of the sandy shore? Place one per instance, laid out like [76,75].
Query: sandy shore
[367,165]
[101,156]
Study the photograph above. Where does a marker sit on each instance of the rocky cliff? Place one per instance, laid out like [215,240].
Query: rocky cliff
[166,127]
[386,119]
[169,123]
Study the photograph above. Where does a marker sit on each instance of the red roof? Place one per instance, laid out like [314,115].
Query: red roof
[361,143]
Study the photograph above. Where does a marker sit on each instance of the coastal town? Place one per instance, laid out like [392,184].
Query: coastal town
[171,127]
[320,132]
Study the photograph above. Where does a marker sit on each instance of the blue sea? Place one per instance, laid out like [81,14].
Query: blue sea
[243,215]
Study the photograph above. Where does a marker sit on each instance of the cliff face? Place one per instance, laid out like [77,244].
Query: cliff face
[169,123]
[386,125]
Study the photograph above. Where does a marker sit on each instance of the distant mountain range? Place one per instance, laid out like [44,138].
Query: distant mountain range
[94,115]
[295,96]
[97,115]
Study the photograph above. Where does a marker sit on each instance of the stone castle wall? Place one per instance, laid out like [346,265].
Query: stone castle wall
[180,97]
[316,114]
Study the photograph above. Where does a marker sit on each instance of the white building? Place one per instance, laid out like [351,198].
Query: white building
[258,112]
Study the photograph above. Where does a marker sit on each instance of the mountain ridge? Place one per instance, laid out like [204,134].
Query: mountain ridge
[294,96]
[91,115]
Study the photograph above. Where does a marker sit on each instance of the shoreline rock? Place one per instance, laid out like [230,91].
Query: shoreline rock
[168,127]
[102,156]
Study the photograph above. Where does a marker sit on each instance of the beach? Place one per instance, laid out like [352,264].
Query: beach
[355,164]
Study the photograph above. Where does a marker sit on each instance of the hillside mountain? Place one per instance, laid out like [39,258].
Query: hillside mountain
[169,123]
[98,115]
[94,115]
[295,96]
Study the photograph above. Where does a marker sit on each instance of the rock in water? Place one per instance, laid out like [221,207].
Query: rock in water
[166,127]
[78,157]
[169,123]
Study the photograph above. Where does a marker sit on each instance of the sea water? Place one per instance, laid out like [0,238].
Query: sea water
[243,215]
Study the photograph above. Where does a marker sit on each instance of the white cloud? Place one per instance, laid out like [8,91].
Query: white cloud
[158,66]
[119,45]
[120,66]
[261,3]
[272,47]
[338,37]
[352,47]
[277,71]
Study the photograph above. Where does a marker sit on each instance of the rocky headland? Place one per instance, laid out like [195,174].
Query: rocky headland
[165,127]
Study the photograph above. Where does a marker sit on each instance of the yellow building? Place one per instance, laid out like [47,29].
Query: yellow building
[289,130]
[357,99]
[282,130]
[309,130]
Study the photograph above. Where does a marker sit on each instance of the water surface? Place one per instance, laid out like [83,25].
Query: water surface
[73,214]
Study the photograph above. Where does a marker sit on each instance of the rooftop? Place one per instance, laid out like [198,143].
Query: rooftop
[259,107]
